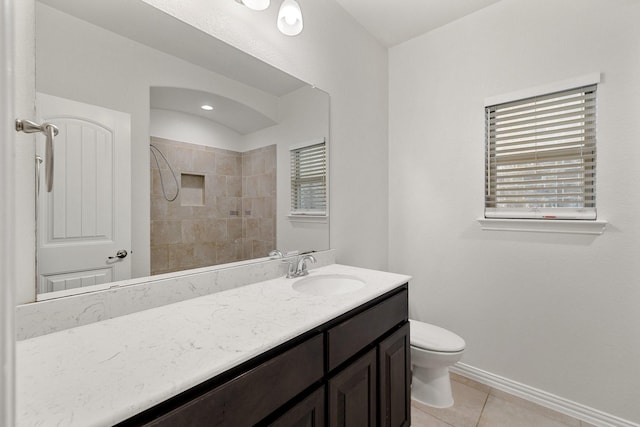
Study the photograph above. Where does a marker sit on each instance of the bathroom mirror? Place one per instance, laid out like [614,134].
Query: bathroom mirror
[145,181]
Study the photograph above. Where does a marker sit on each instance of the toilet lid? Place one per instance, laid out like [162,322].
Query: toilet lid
[431,337]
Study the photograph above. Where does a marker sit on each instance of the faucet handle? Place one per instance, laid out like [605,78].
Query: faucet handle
[292,268]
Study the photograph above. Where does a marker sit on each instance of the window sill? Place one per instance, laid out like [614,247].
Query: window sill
[320,219]
[566,226]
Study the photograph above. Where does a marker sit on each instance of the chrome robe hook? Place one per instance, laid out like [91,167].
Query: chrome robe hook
[50,131]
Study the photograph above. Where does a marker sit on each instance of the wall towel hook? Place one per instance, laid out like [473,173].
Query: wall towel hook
[50,131]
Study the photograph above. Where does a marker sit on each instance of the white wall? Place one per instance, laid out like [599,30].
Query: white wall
[7,215]
[17,232]
[566,323]
[335,54]
[193,129]
[304,118]
[24,93]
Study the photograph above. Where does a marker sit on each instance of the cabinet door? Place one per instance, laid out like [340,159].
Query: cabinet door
[352,394]
[394,379]
[308,413]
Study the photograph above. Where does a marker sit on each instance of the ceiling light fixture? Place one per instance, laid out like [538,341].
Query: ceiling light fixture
[207,107]
[290,18]
[255,4]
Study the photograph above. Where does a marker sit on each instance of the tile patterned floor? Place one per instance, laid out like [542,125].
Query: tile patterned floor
[478,405]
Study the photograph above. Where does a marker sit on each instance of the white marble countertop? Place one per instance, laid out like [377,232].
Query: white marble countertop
[106,372]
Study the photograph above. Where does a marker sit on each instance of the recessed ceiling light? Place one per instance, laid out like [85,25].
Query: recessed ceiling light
[207,107]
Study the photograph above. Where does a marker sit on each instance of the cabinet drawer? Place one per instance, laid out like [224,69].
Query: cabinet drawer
[350,336]
[252,396]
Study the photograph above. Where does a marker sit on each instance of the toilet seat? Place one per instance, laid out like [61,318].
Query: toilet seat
[433,338]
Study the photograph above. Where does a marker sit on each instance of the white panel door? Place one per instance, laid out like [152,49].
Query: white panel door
[86,218]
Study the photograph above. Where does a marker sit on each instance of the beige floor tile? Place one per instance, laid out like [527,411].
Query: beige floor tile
[586,424]
[549,413]
[499,412]
[468,404]
[471,383]
[422,419]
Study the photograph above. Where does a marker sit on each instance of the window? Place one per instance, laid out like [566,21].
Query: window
[541,156]
[309,179]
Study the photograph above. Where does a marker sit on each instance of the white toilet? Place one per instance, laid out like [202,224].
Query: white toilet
[433,350]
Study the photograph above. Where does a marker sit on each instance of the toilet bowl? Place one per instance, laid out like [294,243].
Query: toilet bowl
[433,350]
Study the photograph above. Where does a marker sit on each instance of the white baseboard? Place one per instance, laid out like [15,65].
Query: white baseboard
[542,398]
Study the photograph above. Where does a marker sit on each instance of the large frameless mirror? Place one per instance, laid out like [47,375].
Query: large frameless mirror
[173,150]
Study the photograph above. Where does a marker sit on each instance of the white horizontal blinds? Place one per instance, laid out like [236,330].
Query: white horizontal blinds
[541,156]
[309,180]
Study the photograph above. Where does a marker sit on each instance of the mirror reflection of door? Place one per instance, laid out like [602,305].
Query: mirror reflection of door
[82,223]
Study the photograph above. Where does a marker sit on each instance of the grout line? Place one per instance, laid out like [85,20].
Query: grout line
[432,416]
[484,405]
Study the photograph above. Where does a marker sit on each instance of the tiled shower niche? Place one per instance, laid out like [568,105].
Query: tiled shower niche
[191,189]
[225,212]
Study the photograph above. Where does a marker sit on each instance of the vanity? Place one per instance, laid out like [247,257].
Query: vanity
[264,354]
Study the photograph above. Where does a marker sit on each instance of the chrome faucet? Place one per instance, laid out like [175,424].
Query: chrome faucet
[298,267]
[302,264]
[276,254]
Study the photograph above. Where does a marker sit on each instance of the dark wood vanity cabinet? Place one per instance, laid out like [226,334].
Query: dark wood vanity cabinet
[353,371]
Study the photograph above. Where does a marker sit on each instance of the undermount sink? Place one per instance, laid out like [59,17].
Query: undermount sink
[328,284]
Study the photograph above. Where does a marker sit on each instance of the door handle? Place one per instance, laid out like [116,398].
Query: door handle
[122,253]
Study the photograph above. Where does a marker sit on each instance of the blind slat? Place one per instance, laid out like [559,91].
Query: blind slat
[546,143]
[494,125]
[590,122]
[540,184]
[578,105]
[544,192]
[542,131]
[576,109]
[586,99]
[546,97]
[545,156]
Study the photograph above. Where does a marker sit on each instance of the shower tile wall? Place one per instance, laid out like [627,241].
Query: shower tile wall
[236,219]
[259,202]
